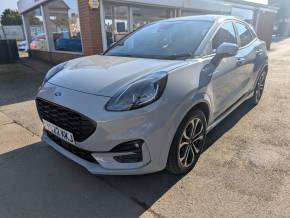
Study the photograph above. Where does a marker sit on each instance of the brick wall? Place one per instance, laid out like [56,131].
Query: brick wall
[90,23]
[52,57]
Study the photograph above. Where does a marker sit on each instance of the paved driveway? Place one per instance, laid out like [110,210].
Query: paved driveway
[244,172]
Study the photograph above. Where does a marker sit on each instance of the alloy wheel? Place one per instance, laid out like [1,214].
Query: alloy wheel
[260,86]
[191,142]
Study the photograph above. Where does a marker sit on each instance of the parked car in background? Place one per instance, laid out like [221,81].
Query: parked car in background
[72,45]
[148,103]
[23,46]
[64,41]
[39,42]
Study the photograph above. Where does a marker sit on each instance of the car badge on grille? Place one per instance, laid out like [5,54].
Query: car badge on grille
[57,93]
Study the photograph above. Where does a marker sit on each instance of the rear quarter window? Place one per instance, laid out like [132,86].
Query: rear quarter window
[245,34]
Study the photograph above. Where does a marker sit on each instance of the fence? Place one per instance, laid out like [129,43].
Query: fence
[8,50]
[12,32]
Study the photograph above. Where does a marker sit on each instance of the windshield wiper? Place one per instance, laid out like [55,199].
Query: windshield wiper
[177,56]
[120,43]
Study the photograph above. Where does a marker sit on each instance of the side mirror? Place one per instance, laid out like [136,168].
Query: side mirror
[225,50]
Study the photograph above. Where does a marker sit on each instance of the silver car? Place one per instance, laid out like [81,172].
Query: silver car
[148,102]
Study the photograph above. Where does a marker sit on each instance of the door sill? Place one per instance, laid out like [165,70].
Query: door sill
[229,110]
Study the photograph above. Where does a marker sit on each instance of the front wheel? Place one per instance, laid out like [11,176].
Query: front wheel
[188,143]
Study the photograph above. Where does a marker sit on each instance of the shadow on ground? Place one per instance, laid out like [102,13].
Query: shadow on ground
[19,81]
[228,123]
[36,181]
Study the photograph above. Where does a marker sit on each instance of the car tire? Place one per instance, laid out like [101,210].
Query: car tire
[259,89]
[188,143]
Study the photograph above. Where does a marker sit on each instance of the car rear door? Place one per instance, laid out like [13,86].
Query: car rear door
[246,57]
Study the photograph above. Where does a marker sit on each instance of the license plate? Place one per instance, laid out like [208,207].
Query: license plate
[59,132]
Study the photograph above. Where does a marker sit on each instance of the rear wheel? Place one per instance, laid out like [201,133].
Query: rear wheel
[259,89]
[188,143]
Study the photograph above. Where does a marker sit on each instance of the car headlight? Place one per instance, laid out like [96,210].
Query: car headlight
[53,71]
[139,93]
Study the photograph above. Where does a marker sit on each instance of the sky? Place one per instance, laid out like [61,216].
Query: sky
[259,1]
[13,5]
[7,4]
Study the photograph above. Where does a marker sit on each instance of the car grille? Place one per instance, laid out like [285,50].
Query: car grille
[84,154]
[80,126]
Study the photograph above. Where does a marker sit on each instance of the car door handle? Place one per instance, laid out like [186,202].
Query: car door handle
[213,73]
[259,52]
[241,61]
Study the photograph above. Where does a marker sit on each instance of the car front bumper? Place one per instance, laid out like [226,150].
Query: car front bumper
[97,168]
[150,124]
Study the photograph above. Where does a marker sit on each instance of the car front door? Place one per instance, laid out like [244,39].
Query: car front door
[226,79]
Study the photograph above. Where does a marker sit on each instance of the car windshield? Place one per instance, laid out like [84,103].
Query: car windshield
[163,40]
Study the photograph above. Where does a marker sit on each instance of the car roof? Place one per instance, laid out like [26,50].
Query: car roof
[209,17]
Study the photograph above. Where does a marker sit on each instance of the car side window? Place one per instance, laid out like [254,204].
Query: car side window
[245,34]
[253,32]
[226,33]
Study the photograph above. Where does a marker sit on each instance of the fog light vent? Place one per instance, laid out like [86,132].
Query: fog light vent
[132,152]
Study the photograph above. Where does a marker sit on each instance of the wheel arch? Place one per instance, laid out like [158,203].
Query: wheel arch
[264,68]
[200,102]
[204,107]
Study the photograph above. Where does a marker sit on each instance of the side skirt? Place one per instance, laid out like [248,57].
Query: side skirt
[229,111]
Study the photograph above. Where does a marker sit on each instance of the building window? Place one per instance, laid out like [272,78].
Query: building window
[244,14]
[116,22]
[121,15]
[185,13]
[63,25]
[36,28]
[145,15]
[117,19]
[109,24]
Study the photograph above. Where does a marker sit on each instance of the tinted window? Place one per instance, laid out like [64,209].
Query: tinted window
[226,33]
[253,33]
[164,40]
[245,34]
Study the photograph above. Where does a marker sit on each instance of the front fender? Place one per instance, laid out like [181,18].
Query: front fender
[184,107]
